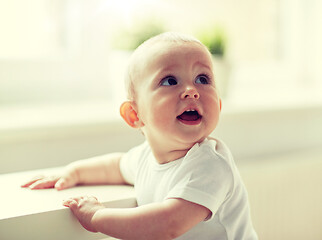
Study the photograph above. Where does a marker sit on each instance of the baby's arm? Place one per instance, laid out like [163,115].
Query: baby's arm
[99,170]
[166,220]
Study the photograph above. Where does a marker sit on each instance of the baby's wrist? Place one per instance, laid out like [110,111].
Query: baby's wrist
[96,219]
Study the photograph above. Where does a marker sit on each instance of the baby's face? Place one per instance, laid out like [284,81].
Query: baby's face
[177,100]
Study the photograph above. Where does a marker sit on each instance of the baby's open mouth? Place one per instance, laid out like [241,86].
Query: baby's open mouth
[190,115]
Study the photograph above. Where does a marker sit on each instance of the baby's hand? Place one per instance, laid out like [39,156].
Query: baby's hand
[64,181]
[84,209]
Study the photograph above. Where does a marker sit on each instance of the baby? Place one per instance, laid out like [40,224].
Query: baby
[186,183]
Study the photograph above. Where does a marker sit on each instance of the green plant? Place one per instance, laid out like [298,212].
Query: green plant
[131,38]
[214,40]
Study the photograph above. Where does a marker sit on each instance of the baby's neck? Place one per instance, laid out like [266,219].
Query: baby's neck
[168,150]
[166,157]
[165,152]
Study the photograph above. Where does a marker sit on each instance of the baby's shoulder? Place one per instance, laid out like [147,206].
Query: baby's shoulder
[210,154]
[219,149]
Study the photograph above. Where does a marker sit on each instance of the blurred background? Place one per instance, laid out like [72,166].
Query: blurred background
[62,64]
[63,51]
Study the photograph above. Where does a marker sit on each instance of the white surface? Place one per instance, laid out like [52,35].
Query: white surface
[39,214]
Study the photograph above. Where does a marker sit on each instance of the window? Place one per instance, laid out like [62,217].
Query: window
[64,52]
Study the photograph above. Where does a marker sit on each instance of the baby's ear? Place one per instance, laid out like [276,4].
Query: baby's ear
[129,114]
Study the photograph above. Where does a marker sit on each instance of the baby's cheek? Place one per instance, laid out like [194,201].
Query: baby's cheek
[162,120]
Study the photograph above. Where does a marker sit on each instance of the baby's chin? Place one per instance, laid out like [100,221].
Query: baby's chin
[191,139]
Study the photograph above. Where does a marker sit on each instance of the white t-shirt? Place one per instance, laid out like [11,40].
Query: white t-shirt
[207,175]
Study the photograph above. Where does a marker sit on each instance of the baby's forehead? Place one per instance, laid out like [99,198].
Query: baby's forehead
[164,48]
[164,52]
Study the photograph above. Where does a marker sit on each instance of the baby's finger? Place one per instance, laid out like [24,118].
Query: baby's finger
[73,202]
[70,202]
[31,181]
[64,183]
[43,183]
[93,198]
[61,184]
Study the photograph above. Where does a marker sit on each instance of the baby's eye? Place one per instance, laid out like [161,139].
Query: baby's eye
[202,79]
[168,81]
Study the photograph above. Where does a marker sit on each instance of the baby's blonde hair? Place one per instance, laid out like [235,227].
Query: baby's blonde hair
[167,37]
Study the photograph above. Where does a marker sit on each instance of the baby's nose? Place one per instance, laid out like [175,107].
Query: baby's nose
[190,92]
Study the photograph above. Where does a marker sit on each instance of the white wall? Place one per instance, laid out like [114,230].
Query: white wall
[285,195]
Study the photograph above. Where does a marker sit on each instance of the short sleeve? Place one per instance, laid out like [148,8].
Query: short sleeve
[126,170]
[130,161]
[206,179]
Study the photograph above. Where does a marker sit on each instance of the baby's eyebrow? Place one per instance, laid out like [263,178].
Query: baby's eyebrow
[200,63]
[170,68]
[166,71]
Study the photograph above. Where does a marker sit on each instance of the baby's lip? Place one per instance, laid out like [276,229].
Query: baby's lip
[190,109]
[190,116]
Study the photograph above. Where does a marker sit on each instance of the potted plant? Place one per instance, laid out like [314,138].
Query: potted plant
[130,39]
